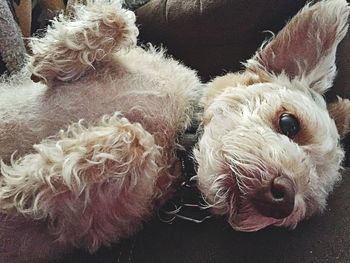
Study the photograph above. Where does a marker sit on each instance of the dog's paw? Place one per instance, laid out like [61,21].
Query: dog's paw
[93,184]
[71,45]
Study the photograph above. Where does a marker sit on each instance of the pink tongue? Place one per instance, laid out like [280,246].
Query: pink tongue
[252,223]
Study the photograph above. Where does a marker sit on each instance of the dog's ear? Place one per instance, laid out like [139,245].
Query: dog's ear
[340,112]
[305,48]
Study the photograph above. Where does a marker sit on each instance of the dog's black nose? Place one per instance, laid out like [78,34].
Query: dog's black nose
[277,199]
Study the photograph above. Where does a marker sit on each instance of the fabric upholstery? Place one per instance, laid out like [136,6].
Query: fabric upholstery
[213,36]
[12,50]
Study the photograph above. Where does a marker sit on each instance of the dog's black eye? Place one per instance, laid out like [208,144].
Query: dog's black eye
[289,125]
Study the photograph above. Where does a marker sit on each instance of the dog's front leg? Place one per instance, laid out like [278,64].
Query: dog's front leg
[73,44]
[92,184]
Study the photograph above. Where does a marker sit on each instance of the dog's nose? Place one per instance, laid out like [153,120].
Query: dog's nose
[277,199]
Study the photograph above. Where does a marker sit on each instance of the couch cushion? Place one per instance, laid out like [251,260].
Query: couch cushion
[213,36]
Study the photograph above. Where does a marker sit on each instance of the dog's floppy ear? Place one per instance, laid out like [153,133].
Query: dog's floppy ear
[340,112]
[305,48]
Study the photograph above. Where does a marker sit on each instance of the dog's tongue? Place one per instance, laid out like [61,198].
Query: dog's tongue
[252,222]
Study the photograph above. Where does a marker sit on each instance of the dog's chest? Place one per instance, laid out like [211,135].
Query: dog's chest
[140,99]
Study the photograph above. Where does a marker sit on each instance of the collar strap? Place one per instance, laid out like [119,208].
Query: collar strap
[187,203]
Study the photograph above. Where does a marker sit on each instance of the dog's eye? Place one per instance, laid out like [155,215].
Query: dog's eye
[289,125]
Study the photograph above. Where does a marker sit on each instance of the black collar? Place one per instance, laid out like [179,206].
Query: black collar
[187,142]
[187,203]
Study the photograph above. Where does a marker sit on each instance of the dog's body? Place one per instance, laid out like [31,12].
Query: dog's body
[133,103]
[142,82]
[269,152]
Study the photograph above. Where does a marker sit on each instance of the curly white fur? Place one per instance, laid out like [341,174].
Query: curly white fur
[89,175]
[95,181]
[313,34]
[242,149]
[72,44]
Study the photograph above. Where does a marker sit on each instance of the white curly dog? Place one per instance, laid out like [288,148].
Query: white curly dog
[89,149]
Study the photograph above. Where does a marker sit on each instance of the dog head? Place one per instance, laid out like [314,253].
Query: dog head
[270,153]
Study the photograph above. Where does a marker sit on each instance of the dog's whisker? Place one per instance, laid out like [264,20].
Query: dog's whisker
[198,221]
